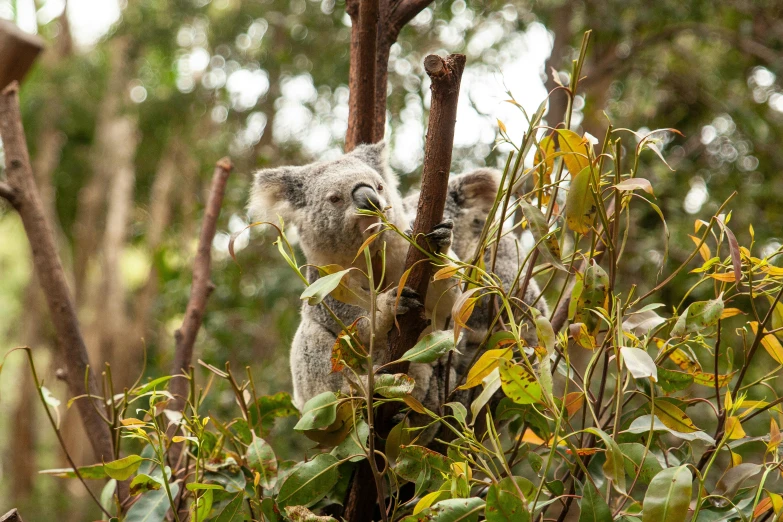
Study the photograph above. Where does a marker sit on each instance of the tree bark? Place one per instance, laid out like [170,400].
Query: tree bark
[202,287]
[558,99]
[446,75]
[11,516]
[49,270]
[18,51]
[361,104]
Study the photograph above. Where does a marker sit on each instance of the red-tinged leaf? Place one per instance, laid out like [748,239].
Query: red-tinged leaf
[734,249]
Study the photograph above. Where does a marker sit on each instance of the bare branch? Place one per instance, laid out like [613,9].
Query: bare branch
[364,35]
[50,274]
[11,516]
[186,335]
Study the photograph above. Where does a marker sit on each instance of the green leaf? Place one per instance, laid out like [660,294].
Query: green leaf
[143,482]
[228,474]
[730,482]
[697,317]
[614,467]
[107,495]
[94,471]
[261,458]
[639,363]
[633,452]
[323,286]
[393,386]
[672,381]
[152,384]
[309,482]
[452,510]
[152,506]
[122,469]
[423,466]
[202,506]
[668,496]
[318,412]
[593,507]
[349,447]
[266,409]
[504,503]
[580,204]
[430,348]
[459,411]
[674,418]
[231,512]
[595,289]
[549,247]
[518,384]
[642,425]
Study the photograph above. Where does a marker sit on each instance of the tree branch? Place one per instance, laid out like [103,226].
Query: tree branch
[8,193]
[11,516]
[446,75]
[361,104]
[50,274]
[202,287]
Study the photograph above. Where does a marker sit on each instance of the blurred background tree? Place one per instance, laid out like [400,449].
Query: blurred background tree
[132,103]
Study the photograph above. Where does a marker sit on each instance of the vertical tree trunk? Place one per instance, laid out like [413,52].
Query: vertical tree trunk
[558,100]
[361,104]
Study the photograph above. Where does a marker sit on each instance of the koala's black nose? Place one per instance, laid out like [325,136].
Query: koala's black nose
[365,198]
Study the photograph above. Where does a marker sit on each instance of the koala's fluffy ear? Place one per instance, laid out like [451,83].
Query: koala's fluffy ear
[278,191]
[477,189]
[376,156]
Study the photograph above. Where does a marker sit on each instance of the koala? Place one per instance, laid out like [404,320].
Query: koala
[321,200]
[468,203]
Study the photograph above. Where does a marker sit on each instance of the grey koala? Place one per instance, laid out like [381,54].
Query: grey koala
[321,200]
[468,203]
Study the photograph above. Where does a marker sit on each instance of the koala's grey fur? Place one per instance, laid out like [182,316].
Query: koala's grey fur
[319,199]
[468,204]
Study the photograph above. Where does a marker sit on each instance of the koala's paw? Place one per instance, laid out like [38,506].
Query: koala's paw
[409,300]
[441,236]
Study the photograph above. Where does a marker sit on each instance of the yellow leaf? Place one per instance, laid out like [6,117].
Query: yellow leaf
[708,379]
[727,402]
[674,418]
[704,250]
[734,428]
[777,502]
[446,272]
[580,205]
[581,336]
[132,422]
[462,310]
[485,365]
[736,458]
[502,126]
[681,359]
[698,224]
[770,343]
[574,402]
[428,500]
[577,150]
[731,312]
[727,277]
[545,154]
[531,438]
[414,404]
[774,435]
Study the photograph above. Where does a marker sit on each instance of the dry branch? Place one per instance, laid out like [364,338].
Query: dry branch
[202,287]
[11,516]
[49,271]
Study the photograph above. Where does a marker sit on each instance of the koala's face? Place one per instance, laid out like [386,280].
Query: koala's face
[322,200]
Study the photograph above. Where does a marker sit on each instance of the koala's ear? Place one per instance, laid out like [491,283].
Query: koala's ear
[278,191]
[374,155]
[476,189]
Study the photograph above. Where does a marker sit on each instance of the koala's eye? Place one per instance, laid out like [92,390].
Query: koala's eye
[334,198]
[380,187]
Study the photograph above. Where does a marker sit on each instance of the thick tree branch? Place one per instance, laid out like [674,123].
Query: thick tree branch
[7,192]
[361,104]
[50,274]
[446,75]
[202,287]
[393,17]
[18,52]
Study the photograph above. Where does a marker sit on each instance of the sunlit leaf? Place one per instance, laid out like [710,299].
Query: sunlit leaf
[639,363]
[668,496]
[122,469]
[323,286]
[518,384]
[635,184]
[734,429]
[770,343]
[485,365]
[697,317]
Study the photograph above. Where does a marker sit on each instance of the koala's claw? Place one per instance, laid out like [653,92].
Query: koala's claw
[409,300]
[441,235]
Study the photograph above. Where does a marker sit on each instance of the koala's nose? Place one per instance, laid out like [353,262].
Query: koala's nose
[365,198]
